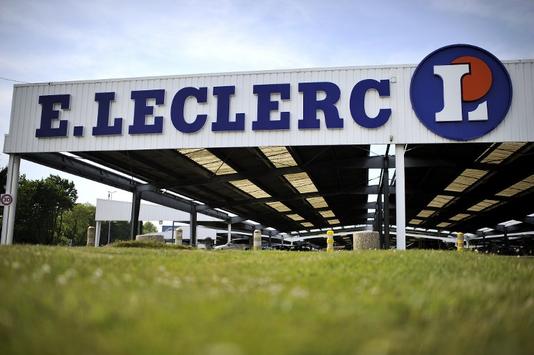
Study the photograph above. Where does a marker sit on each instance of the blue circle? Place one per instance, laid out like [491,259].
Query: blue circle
[426,94]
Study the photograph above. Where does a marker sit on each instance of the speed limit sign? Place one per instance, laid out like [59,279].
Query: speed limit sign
[6,199]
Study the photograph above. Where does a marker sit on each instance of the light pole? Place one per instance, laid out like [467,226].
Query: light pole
[110,197]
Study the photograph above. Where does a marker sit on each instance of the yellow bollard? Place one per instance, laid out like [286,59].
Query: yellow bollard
[460,241]
[330,241]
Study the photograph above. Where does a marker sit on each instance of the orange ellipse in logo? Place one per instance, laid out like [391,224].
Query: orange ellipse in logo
[478,82]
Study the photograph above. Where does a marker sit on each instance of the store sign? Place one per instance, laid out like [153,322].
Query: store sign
[461,92]
[268,116]
[457,93]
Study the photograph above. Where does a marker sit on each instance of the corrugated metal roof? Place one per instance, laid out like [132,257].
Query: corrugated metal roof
[207,160]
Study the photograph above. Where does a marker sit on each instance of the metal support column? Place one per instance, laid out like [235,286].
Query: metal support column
[506,241]
[193,226]
[229,238]
[385,185]
[172,233]
[400,200]
[379,219]
[134,219]
[109,232]
[97,233]
[12,186]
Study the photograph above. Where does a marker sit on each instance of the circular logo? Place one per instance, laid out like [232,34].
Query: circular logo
[461,92]
[6,199]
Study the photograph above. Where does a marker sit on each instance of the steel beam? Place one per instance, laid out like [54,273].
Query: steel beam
[487,189]
[416,162]
[375,162]
[80,168]
[150,193]
[237,219]
[134,218]
[337,232]
[385,184]
[364,190]
[354,163]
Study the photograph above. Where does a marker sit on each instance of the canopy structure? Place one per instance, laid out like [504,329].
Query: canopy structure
[299,189]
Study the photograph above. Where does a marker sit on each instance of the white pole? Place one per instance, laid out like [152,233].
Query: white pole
[229,240]
[12,186]
[400,199]
[3,238]
[97,234]
[110,197]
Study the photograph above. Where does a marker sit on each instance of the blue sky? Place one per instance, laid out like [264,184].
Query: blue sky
[74,40]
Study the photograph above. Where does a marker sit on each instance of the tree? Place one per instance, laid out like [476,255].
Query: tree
[3,179]
[40,208]
[76,221]
[149,227]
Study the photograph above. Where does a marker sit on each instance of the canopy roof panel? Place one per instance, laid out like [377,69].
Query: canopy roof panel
[450,186]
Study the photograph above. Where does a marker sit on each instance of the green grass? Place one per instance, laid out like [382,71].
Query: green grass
[158,301]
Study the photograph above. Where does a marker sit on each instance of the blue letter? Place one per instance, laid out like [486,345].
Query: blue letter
[357,103]
[102,119]
[141,110]
[327,105]
[223,122]
[265,106]
[177,109]
[48,114]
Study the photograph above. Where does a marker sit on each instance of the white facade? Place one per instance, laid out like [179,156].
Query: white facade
[402,127]
[111,210]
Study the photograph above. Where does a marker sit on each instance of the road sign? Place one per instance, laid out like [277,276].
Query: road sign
[6,199]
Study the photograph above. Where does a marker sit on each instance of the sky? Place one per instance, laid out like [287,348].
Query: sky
[49,40]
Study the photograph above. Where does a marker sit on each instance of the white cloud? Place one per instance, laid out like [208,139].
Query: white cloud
[517,13]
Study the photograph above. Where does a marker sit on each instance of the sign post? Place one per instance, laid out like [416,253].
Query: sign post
[8,200]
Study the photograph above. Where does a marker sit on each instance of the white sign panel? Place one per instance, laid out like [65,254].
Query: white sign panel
[456,94]
[112,210]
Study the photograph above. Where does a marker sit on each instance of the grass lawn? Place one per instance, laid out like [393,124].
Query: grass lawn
[57,300]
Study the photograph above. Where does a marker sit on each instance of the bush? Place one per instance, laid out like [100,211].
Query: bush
[146,244]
